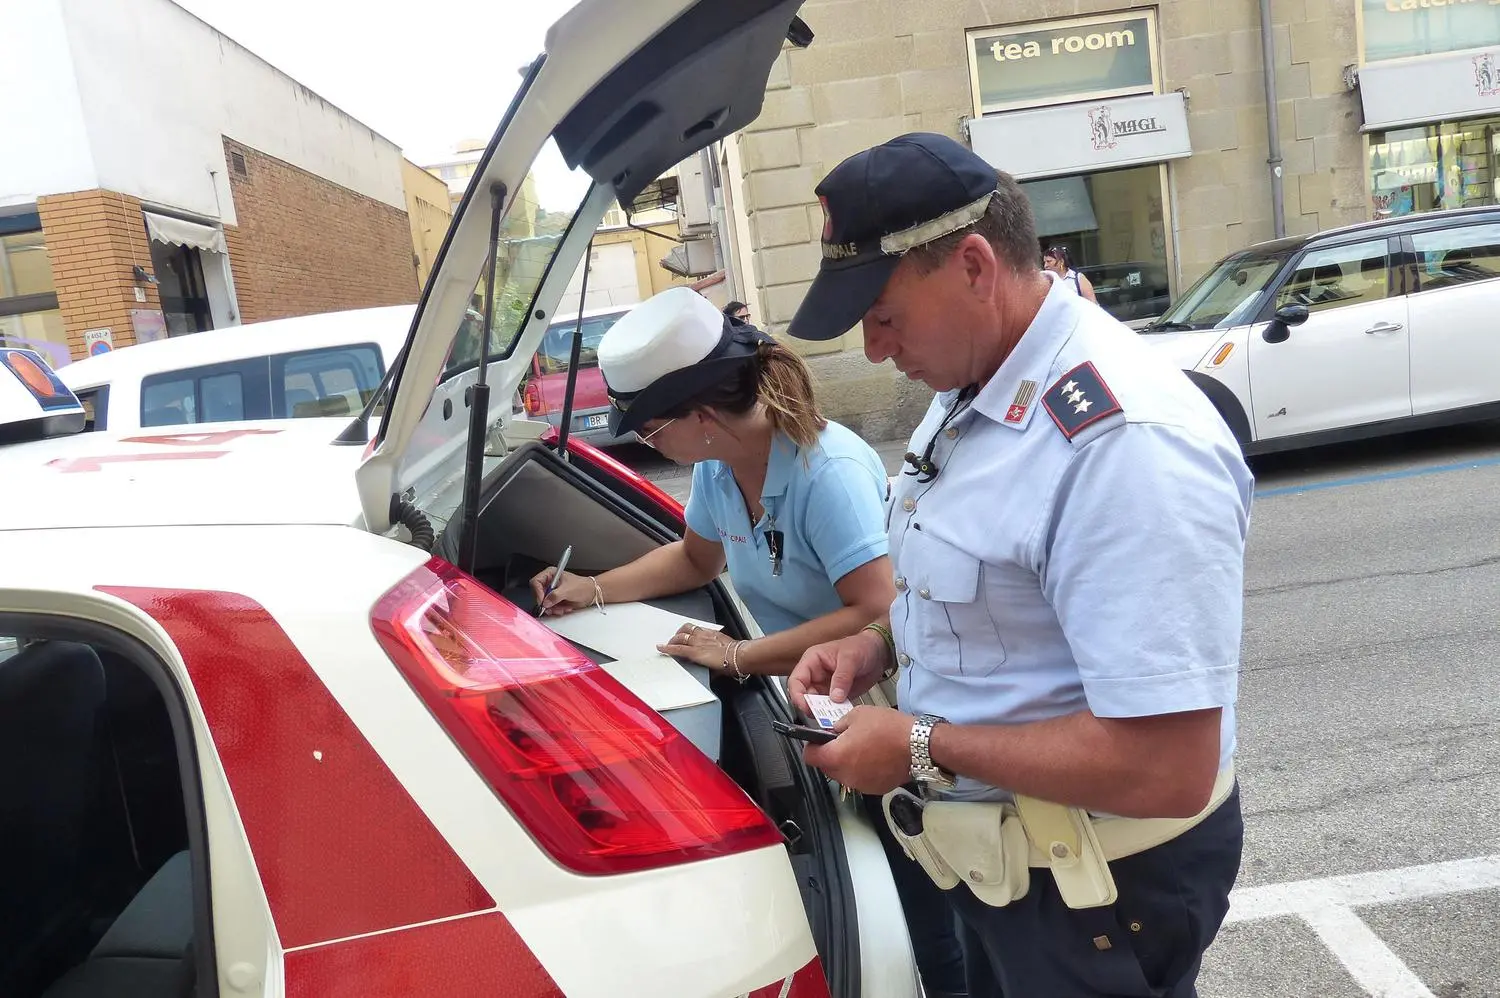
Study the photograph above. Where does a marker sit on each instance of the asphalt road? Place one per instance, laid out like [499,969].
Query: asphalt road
[1369,752]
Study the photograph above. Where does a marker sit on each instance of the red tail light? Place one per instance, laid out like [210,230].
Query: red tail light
[531,398]
[600,780]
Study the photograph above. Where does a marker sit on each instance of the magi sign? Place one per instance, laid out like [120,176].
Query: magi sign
[1043,63]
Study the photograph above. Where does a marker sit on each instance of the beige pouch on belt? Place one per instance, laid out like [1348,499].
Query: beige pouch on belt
[985,845]
[911,811]
[1065,837]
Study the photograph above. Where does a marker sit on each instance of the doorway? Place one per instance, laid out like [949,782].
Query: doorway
[184,295]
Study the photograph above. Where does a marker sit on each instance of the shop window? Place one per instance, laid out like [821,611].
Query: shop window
[1342,275]
[29,316]
[1434,167]
[1457,256]
[1113,226]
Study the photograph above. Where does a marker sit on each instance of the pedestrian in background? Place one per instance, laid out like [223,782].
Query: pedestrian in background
[1059,260]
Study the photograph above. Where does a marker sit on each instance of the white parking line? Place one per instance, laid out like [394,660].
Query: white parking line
[1369,960]
[1360,889]
[1327,905]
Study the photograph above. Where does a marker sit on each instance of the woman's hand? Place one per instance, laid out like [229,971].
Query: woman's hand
[574,592]
[699,644]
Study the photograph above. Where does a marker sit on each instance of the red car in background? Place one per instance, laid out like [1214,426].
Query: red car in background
[543,389]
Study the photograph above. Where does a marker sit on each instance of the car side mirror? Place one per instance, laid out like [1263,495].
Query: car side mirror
[1279,329]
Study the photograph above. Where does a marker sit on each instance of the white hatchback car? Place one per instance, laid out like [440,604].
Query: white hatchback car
[328,364]
[1354,332]
[308,738]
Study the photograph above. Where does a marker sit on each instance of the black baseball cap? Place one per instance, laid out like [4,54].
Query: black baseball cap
[877,204]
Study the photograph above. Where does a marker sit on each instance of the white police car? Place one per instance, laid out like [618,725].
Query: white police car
[1360,331]
[260,736]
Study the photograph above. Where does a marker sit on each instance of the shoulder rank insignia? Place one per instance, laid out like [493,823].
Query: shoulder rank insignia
[1079,399]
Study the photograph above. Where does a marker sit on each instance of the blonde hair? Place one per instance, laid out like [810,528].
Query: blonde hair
[776,378]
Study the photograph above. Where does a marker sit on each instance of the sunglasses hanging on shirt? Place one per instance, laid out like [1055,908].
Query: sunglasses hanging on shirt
[924,465]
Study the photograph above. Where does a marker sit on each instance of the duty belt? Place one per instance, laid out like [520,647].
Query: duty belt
[992,847]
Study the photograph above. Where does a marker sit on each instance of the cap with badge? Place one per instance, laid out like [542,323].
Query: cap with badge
[669,349]
[877,204]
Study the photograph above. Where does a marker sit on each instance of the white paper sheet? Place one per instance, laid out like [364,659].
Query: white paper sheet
[659,681]
[623,631]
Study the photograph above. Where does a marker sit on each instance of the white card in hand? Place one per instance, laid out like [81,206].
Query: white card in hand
[825,710]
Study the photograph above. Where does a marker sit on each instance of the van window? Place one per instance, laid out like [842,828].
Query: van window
[1446,257]
[337,381]
[1338,276]
[557,345]
[167,400]
[95,402]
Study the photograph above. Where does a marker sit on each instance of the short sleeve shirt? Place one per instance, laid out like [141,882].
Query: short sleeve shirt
[1082,543]
[829,503]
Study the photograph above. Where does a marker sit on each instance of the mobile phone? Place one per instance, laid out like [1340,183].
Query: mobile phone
[803,733]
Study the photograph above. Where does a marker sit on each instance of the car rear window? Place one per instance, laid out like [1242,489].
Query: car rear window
[557,346]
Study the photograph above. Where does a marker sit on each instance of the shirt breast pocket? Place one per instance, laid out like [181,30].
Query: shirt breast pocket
[954,628]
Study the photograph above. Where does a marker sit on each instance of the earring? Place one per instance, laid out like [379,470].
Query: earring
[708,441]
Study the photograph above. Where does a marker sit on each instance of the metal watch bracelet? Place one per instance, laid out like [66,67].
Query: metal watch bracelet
[923,769]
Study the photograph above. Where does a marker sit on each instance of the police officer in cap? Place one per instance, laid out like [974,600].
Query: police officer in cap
[1068,540]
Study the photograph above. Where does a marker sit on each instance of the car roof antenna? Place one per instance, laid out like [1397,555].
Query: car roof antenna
[478,398]
[567,407]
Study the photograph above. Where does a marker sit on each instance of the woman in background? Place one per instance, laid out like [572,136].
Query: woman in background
[1059,260]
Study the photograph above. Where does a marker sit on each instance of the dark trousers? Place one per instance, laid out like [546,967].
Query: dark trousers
[929,918]
[1148,944]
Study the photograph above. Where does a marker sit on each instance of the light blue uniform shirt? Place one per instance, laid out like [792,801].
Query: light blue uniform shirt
[829,504]
[1040,574]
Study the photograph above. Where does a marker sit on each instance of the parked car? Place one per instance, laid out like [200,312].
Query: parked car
[1130,291]
[326,364]
[342,754]
[1354,332]
[542,391]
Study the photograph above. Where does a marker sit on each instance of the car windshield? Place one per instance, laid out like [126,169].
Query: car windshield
[557,346]
[1225,296]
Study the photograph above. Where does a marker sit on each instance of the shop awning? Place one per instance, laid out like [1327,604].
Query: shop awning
[1082,138]
[1446,87]
[180,232]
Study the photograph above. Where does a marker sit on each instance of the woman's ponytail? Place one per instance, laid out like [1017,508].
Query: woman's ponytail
[785,388]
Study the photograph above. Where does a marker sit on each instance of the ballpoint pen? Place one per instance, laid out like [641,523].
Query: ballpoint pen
[562,564]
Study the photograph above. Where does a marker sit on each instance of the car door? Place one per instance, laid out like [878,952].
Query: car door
[1454,349]
[1348,364]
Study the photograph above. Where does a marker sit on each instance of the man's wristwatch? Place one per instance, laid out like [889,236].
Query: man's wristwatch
[923,770]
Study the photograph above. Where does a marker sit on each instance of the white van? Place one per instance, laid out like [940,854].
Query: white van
[311,365]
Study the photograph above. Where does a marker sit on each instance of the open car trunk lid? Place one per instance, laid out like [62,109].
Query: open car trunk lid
[623,93]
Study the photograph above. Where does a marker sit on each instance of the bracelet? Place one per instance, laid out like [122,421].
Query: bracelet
[598,592]
[732,661]
[890,644]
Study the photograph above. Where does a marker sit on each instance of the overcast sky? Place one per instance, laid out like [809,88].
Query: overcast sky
[426,74]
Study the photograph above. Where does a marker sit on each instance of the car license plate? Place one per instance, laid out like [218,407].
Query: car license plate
[595,421]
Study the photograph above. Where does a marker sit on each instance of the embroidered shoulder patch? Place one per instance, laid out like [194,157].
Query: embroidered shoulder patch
[1079,399]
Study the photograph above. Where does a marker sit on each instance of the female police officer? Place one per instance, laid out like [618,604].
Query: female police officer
[792,503]
[1069,555]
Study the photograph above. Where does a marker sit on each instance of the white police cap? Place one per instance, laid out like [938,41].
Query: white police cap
[666,351]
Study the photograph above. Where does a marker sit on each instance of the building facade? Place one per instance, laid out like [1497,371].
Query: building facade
[429,212]
[137,203]
[1141,132]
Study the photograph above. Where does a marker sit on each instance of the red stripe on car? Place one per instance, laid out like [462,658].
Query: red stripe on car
[340,845]
[478,957]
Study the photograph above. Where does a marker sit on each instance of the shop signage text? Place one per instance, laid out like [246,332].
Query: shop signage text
[1082,138]
[1400,6]
[1106,131]
[1038,64]
[1070,44]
